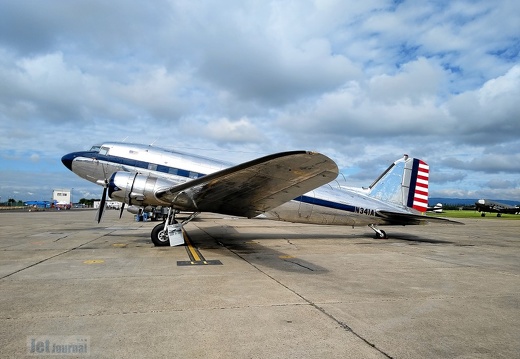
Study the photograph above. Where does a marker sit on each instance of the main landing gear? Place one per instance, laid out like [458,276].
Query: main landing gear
[380,234]
[483,214]
[162,232]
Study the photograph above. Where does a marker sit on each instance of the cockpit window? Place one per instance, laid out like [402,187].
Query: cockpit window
[100,149]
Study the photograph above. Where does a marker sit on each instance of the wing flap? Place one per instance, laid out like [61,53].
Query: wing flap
[254,187]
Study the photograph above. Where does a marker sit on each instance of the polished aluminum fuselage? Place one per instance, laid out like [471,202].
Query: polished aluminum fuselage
[329,204]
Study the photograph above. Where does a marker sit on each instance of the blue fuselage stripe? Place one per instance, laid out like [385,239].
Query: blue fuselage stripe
[142,164]
[324,203]
[413,182]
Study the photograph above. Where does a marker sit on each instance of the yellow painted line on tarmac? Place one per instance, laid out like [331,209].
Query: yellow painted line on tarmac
[196,258]
[94,261]
[285,257]
[119,245]
[192,252]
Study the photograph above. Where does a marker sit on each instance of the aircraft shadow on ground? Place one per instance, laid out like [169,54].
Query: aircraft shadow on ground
[417,239]
[232,232]
[248,246]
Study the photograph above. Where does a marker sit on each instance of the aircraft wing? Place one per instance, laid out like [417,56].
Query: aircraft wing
[402,218]
[254,187]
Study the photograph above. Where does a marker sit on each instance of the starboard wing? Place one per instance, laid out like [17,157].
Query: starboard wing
[254,187]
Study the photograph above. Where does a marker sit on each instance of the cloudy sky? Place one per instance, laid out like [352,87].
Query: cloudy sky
[361,81]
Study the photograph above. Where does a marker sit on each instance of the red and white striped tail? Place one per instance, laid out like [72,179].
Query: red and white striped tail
[404,183]
[418,192]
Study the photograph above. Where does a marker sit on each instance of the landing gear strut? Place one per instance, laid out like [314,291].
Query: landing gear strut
[160,236]
[380,234]
[159,233]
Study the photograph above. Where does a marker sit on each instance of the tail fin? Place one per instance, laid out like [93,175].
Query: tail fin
[404,183]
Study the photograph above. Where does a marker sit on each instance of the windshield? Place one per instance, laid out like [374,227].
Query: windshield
[95,148]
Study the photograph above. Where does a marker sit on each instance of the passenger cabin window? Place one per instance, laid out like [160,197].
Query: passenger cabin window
[152,167]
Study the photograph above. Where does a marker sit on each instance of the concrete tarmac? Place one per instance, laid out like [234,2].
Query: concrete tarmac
[281,290]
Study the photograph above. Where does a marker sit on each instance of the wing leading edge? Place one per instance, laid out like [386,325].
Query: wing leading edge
[254,187]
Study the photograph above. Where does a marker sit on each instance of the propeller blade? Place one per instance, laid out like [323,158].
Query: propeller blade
[122,209]
[101,208]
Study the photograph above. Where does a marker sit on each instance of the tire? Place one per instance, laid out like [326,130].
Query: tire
[160,236]
[382,235]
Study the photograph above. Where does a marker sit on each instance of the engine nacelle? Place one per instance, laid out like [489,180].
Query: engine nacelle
[139,209]
[137,189]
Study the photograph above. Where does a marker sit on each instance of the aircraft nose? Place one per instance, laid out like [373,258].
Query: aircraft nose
[67,160]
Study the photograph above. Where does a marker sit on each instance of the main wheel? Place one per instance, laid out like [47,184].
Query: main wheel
[160,236]
[381,235]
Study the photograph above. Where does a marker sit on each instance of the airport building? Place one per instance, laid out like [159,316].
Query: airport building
[109,204]
[62,196]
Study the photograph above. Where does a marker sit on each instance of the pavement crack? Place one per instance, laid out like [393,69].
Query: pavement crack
[48,258]
[141,312]
[299,264]
[291,243]
[60,238]
[343,325]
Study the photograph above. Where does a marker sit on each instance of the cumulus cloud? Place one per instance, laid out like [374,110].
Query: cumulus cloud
[489,114]
[488,163]
[447,177]
[502,184]
[223,130]
[405,103]
[363,82]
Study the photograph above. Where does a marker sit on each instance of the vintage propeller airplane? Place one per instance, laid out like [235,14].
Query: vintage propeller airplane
[486,205]
[295,186]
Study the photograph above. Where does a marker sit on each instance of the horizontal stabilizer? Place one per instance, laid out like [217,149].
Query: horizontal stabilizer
[409,219]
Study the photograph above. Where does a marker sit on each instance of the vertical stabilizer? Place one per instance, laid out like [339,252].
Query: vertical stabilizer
[404,183]
[417,185]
